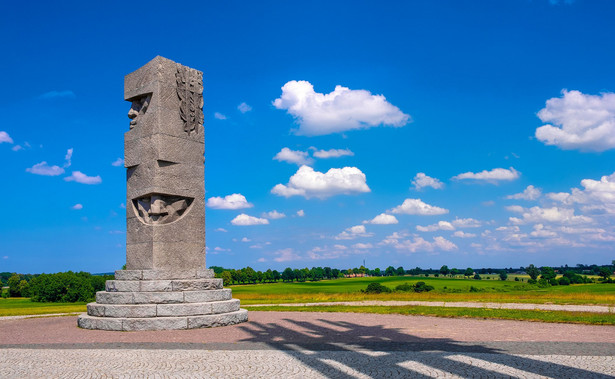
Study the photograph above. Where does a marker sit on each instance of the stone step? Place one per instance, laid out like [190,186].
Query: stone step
[163,274]
[163,285]
[162,323]
[162,310]
[103,297]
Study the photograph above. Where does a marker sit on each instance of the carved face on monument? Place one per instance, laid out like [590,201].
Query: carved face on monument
[138,108]
[158,209]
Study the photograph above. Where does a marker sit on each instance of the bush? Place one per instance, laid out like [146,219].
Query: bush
[422,287]
[532,281]
[404,287]
[563,281]
[66,287]
[477,277]
[377,288]
[543,283]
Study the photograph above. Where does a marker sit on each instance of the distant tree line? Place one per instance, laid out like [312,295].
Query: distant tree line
[63,287]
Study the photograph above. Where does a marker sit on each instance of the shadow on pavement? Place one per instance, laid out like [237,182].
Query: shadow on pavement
[345,350]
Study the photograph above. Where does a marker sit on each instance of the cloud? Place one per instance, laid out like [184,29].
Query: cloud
[244,108]
[417,244]
[245,220]
[466,223]
[118,162]
[421,181]
[547,215]
[77,207]
[245,239]
[219,116]
[339,111]
[44,169]
[261,260]
[286,255]
[382,219]
[57,95]
[273,215]
[579,121]
[362,246]
[353,232]
[309,183]
[490,176]
[221,230]
[300,213]
[417,207]
[234,201]
[4,137]
[293,156]
[67,158]
[441,225]
[79,177]
[333,153]
[530,193]
[16,147]
[596,195]
[462,234]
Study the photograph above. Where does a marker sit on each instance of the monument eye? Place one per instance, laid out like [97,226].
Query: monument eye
[138,108]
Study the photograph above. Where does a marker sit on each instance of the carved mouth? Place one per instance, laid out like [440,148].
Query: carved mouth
[160,209]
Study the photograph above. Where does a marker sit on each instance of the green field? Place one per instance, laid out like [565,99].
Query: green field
[18,306]
[446,289]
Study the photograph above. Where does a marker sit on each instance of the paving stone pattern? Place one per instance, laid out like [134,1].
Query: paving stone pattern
[301,363]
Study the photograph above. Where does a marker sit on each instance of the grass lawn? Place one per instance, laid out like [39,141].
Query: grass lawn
[446,289]
[482,313]
[18,306]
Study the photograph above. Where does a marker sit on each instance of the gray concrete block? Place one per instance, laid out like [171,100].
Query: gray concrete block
[183,309]
[158,297]
[205,274]
[227,306]
[122,285]
[196,284]
[210,321]
[157,323]
[97,310]
[128,275]
[99,323]
[103,297]
[206,296]
[128,311]
[156,286]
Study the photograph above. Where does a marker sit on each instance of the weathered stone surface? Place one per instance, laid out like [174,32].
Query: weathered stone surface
[103,297]
[196,284]
[128,274]
[156,286]
[123,285]
[225,306]
[210,321]
[128,311]
[97,310]
[206,296]
[184,309]
[99,323]
[156,323]
[158,297]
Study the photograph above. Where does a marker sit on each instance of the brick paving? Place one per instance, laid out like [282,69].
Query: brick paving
[311,345]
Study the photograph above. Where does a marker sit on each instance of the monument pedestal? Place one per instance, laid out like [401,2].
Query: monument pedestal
[162,300]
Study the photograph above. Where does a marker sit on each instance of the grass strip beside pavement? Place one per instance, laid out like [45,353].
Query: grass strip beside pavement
[25,307]
[484,313]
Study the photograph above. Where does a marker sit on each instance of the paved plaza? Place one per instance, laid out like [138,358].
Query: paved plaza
[311,345]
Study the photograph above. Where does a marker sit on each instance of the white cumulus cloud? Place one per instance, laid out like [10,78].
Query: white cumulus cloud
[286,255]
[68,157]
[529,193]
[234,201]
[44,169]
[490,176]
[244,108]
[421,181]
[462,234]
[418,244]
[293,156]
[579,121]
[77,207]
[341,110]
[300,213]
[219,116]
[418,207]
[117,163]
[466,223]
[441,225]
[273,215]
[309,183]
[353,232]
[548,215]
[596,195]
[79,177]
[4,137]
[245,220]
[333,153]
[382,219]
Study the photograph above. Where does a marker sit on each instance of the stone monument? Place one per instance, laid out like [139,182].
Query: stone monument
[165,284]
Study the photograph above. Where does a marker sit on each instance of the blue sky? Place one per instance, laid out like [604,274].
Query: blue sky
[472,134]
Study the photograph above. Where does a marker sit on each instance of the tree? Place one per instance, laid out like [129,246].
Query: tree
[503,275]
[276,275]
[532,271]
[468,272]
[444,270]
[14,285]
[288,275]
[547,273]
[604,273]
[227,279]
[400,271]
[377,272]
[390,271]
[477,277]
[455,272]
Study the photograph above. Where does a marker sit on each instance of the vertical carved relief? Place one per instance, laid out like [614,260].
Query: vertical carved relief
[138,108]
[190,92]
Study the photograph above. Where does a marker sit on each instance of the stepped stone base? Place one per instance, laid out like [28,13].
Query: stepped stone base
[162,300]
